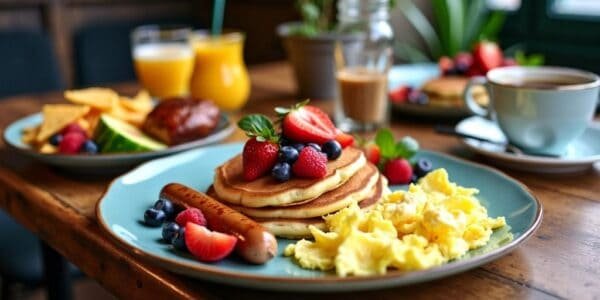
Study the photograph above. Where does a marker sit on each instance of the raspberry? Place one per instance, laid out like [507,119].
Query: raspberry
[192,215]
[398,171]
[71,143]
[310,164]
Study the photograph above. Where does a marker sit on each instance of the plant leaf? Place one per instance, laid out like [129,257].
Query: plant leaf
[451,15]
[258,126]
[492,27]
[385,140]
[422,25]
[409,53]
[476,15]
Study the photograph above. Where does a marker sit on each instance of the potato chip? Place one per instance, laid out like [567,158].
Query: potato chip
[140,103]
[48,148]
[92,117]
[57,116]
[103,99]
[132,117]
[29,134]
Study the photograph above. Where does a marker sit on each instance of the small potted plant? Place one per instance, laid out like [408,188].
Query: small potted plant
[310,45]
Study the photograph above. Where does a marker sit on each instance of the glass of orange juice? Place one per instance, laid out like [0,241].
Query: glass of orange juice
[163,58]
[220,73]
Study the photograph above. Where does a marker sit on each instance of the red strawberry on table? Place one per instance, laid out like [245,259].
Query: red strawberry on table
[206,245]
[306,124]
[310,164]
[487,55]
[260,151]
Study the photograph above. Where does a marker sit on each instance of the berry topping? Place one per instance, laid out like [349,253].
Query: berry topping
[89,147]
[310,164]
[422,167]
[372,153]
[71,143]
[332,149]
[306,123]
[314,146]
[178,241]
[166,206]
[190,215]
[487,55]
[400,94]
[288,154]
[260,152]
[344,139]
[208,245]
[55,139]
[398,171]
[154,217]
[282,171]
[169,231]
[462,62]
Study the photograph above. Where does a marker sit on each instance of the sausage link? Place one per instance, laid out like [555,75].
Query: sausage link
[255,244]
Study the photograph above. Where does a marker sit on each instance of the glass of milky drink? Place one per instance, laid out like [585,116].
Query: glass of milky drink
[363,64]
[163,58]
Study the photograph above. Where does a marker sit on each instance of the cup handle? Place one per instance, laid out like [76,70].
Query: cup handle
[470,102]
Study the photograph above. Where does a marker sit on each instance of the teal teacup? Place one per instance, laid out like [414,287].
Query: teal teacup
[540,109]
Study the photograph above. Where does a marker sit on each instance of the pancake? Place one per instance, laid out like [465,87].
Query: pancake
[298,228]
[230,186]
[360,187]
[448,91]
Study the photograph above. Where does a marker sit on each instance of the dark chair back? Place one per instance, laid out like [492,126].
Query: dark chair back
[27,63]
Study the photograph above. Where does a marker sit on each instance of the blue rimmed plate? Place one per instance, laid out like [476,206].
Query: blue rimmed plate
[103,163]
[121,210]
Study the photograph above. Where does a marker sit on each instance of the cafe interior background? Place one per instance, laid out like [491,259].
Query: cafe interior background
[50,45]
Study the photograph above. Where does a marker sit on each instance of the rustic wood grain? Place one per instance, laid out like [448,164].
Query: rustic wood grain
[562,260]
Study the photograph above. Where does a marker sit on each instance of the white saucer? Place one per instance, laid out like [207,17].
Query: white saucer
[580,155]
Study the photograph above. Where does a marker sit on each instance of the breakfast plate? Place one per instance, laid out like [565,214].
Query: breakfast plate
[580,156]
[415,75]
[104,163]
[122,220]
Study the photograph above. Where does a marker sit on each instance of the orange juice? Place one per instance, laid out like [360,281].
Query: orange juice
[164,69]
[220,74]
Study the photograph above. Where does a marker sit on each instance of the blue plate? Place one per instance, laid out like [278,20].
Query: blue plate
[415,75]
[102,163]
[121,210]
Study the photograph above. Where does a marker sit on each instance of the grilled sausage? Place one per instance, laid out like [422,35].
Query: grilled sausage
[255,244]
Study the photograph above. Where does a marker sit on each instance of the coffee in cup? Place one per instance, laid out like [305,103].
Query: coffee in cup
[540,109]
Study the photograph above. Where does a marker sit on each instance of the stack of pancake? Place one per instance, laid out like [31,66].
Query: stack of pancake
[286,209]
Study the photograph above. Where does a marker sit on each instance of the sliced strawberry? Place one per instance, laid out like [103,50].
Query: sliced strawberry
[487,55]
[310,164]
[192,215]
[258,158]
[399,94]
[307,124]
[373,153]
[344,139]
[445,63]
[206,245]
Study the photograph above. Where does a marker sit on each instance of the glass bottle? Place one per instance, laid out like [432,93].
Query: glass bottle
[362,66]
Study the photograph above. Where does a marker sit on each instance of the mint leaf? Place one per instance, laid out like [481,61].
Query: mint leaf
[258,126]
[406,147]
[385,140]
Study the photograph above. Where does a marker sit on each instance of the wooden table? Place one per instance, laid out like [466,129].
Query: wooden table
[562,260]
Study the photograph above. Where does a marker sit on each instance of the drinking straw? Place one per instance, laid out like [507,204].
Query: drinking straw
[217,17]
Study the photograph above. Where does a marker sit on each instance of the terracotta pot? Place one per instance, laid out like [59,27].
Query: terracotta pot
[313,60]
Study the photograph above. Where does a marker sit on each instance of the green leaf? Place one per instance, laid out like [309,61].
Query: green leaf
[535,60]
[258,126]
[409,53]
[422,25]
[456,18]
[477,13]
[493,26]
[385,140]
[407,147]
[442,23]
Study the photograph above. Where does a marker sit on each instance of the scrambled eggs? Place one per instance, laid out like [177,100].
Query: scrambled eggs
[435,221]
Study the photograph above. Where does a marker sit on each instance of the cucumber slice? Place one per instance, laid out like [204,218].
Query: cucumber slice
[115,136]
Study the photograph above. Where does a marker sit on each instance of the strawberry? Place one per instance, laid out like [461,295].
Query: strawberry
[192,215]
[344,139]
[373,153]
[310,164]
[260,152]
[445,63]
[304,123]
[398,171]
[399,94]
[474,71]
[487,55]
[71,142]
[206,245]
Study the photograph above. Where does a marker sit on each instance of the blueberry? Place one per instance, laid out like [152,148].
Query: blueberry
[56,139]
[461,68]
[298,146]
[154,217]
[89,147]
[422,167]
[333,149]
[166,206]
[178,240]
[281,171]
[288,154]
[169,231]
[417,97]
[315,146]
